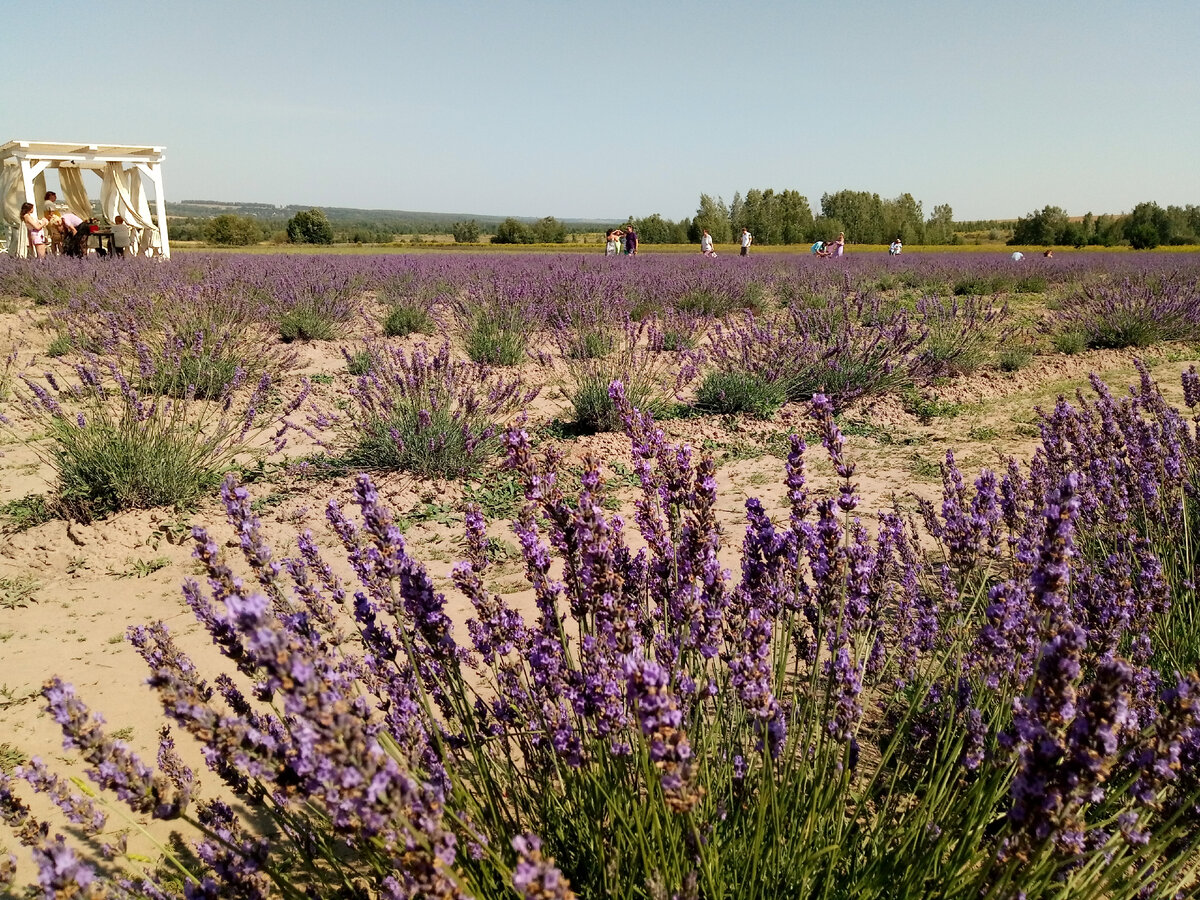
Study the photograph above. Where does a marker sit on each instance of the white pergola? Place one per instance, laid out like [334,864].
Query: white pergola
[32,158]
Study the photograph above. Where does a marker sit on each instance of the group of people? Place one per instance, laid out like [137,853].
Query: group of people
[619,241]
[60,231]
[706,243]
[826,249]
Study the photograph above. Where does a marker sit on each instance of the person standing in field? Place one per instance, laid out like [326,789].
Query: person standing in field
[896,247]
[36,228]
[631,241]
[706,247]
[836,248]
[120,236]
[747,239]
[612,242]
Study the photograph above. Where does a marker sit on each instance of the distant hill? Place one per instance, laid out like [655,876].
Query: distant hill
[401,219]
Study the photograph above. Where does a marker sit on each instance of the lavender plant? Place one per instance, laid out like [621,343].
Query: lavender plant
[422,411]
[827,350]
[113,449]
[1134,312]
[838,719]
[630,361]
[959,334]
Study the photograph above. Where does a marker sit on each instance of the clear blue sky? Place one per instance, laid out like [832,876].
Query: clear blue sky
[594,110]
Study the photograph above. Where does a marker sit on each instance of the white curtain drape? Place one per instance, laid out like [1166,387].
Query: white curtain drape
[71,178]
[116,200]
[12,195]
[148,238]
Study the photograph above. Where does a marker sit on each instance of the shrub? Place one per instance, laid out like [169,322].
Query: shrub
[513,231]
[307,322]
[206,358]
[112,450]
[358,363]
[27,512]
[1134,312]
[827,350]
[1031,284]
[959,334]
[498,336]
[402,320]
[425,413]
[1070,341]
[1013,358]
[310,227]
[632,363]
[71,340]
[465,232]
[233,231]
[740,392]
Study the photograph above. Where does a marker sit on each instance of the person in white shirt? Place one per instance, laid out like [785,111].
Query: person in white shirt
[706,244]
[895,248]
[120,236]
[747,238]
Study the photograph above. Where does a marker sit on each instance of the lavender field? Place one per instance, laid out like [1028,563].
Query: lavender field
[548,575]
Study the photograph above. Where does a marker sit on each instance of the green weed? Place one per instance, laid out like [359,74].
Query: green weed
[727,392]
[25,513]
[17,592]
[1070,342]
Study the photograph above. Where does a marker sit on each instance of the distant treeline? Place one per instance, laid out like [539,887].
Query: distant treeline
[783,217]
[1146,227]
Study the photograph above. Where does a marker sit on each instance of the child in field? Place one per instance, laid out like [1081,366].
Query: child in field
[37,230]
[54,227]
[895,248]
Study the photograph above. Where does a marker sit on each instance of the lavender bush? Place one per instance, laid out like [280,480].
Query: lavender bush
[1135,312]
[113,449]
[852,348]
[630,359]
[840,719]
[959,333]
[422,411]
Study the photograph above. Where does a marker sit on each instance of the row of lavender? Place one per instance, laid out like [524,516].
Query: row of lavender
[175,364]
[843,717]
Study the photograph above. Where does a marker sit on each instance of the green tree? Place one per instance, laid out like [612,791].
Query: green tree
[1147,226]
[655,229]
[548,230]
[232,231]
[465,232]
[860,212]
[905,218]
[1043,227]
[713,215]
[310,227]
[795,216]
[512,231]
[940,226]
[737,215]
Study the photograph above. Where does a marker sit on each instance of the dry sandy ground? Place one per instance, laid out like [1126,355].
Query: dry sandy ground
[68,592]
